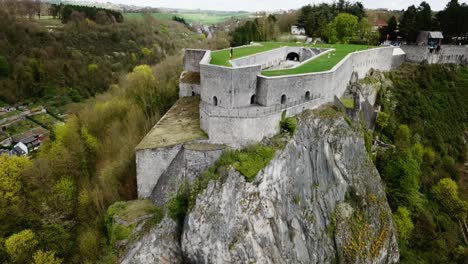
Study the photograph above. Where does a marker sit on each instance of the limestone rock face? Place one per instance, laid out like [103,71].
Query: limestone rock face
[159,245]
[320,200]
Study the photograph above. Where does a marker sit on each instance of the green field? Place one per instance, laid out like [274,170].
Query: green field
[322,63]
[21,127]
[205,18]
[45,120]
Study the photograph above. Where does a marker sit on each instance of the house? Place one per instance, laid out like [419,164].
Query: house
[20,149]
[296,30]
[429,38]
[380,23]
[32,142]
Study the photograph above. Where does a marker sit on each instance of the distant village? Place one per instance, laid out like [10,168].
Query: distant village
[23,130]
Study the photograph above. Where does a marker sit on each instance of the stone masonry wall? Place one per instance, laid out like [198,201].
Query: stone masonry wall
[274,57]
[192,58]
[189,163]
[150,165]
[241,130]
[448,54]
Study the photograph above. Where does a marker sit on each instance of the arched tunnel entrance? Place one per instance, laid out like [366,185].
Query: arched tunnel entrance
[292,56]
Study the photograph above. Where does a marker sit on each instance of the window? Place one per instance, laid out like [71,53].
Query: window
[253,99]
[215,101]
[283,99]
[307,96]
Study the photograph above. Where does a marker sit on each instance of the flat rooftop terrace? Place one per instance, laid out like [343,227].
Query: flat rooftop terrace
[180,124]
[322,62]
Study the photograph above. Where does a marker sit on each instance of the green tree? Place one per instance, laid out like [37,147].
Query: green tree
[382,120]
[47,257]
[11,169]
[345,26]
[366,33]
[403,136]
[20,246]
[403,223]
[446,193]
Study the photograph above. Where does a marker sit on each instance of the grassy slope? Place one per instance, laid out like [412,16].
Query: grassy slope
[205,18]
[322,63]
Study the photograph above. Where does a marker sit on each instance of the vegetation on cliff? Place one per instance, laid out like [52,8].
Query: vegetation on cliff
[425,120]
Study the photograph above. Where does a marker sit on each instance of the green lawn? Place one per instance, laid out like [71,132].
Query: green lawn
[322,63]
[205,18]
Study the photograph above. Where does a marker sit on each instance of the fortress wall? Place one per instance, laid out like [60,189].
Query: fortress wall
[266,59]
[272,57]
[150,165]
[244,85]
[241,131]
[188,164]
[197,161]
[186,89]
[327,84]
[192,58]
[448,54]
[233,87]
[216,81]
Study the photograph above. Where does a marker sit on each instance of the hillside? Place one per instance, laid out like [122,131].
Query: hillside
[61,63]
[425,110]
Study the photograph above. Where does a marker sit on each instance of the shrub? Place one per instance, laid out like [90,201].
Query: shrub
[48,257]
[20,246]
[289,125]
[88,245]
[403,223]
[251,160]
[178,206]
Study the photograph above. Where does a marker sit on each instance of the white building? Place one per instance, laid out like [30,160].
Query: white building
[296,30]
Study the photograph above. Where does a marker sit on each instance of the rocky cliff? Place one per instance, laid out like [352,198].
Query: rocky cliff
[320,200]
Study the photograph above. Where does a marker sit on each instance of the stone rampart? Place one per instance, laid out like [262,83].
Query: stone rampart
[274,57]
[237,122]
[228,87]
[151,164]
[192,58]
[270,90]
[447,54]
[190,162]
[237,130]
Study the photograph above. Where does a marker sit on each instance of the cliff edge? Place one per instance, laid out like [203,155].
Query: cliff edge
[319,200]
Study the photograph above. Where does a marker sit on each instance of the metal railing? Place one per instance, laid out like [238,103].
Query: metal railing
[257,110]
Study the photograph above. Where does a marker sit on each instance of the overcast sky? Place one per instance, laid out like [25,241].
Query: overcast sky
[270,5]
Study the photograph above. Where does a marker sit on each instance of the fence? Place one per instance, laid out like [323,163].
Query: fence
[256,111]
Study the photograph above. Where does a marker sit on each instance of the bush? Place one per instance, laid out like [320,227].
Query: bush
[88,245]
[251,160]
[178,206]
[20,246]
[289,125]
[48,257]
[403,223]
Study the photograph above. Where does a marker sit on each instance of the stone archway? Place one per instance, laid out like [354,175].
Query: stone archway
[307,96]
[215,101]
[293,56]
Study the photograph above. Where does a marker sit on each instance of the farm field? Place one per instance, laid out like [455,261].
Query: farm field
[45,120]
[21,127]
[205,18]
[322,63]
